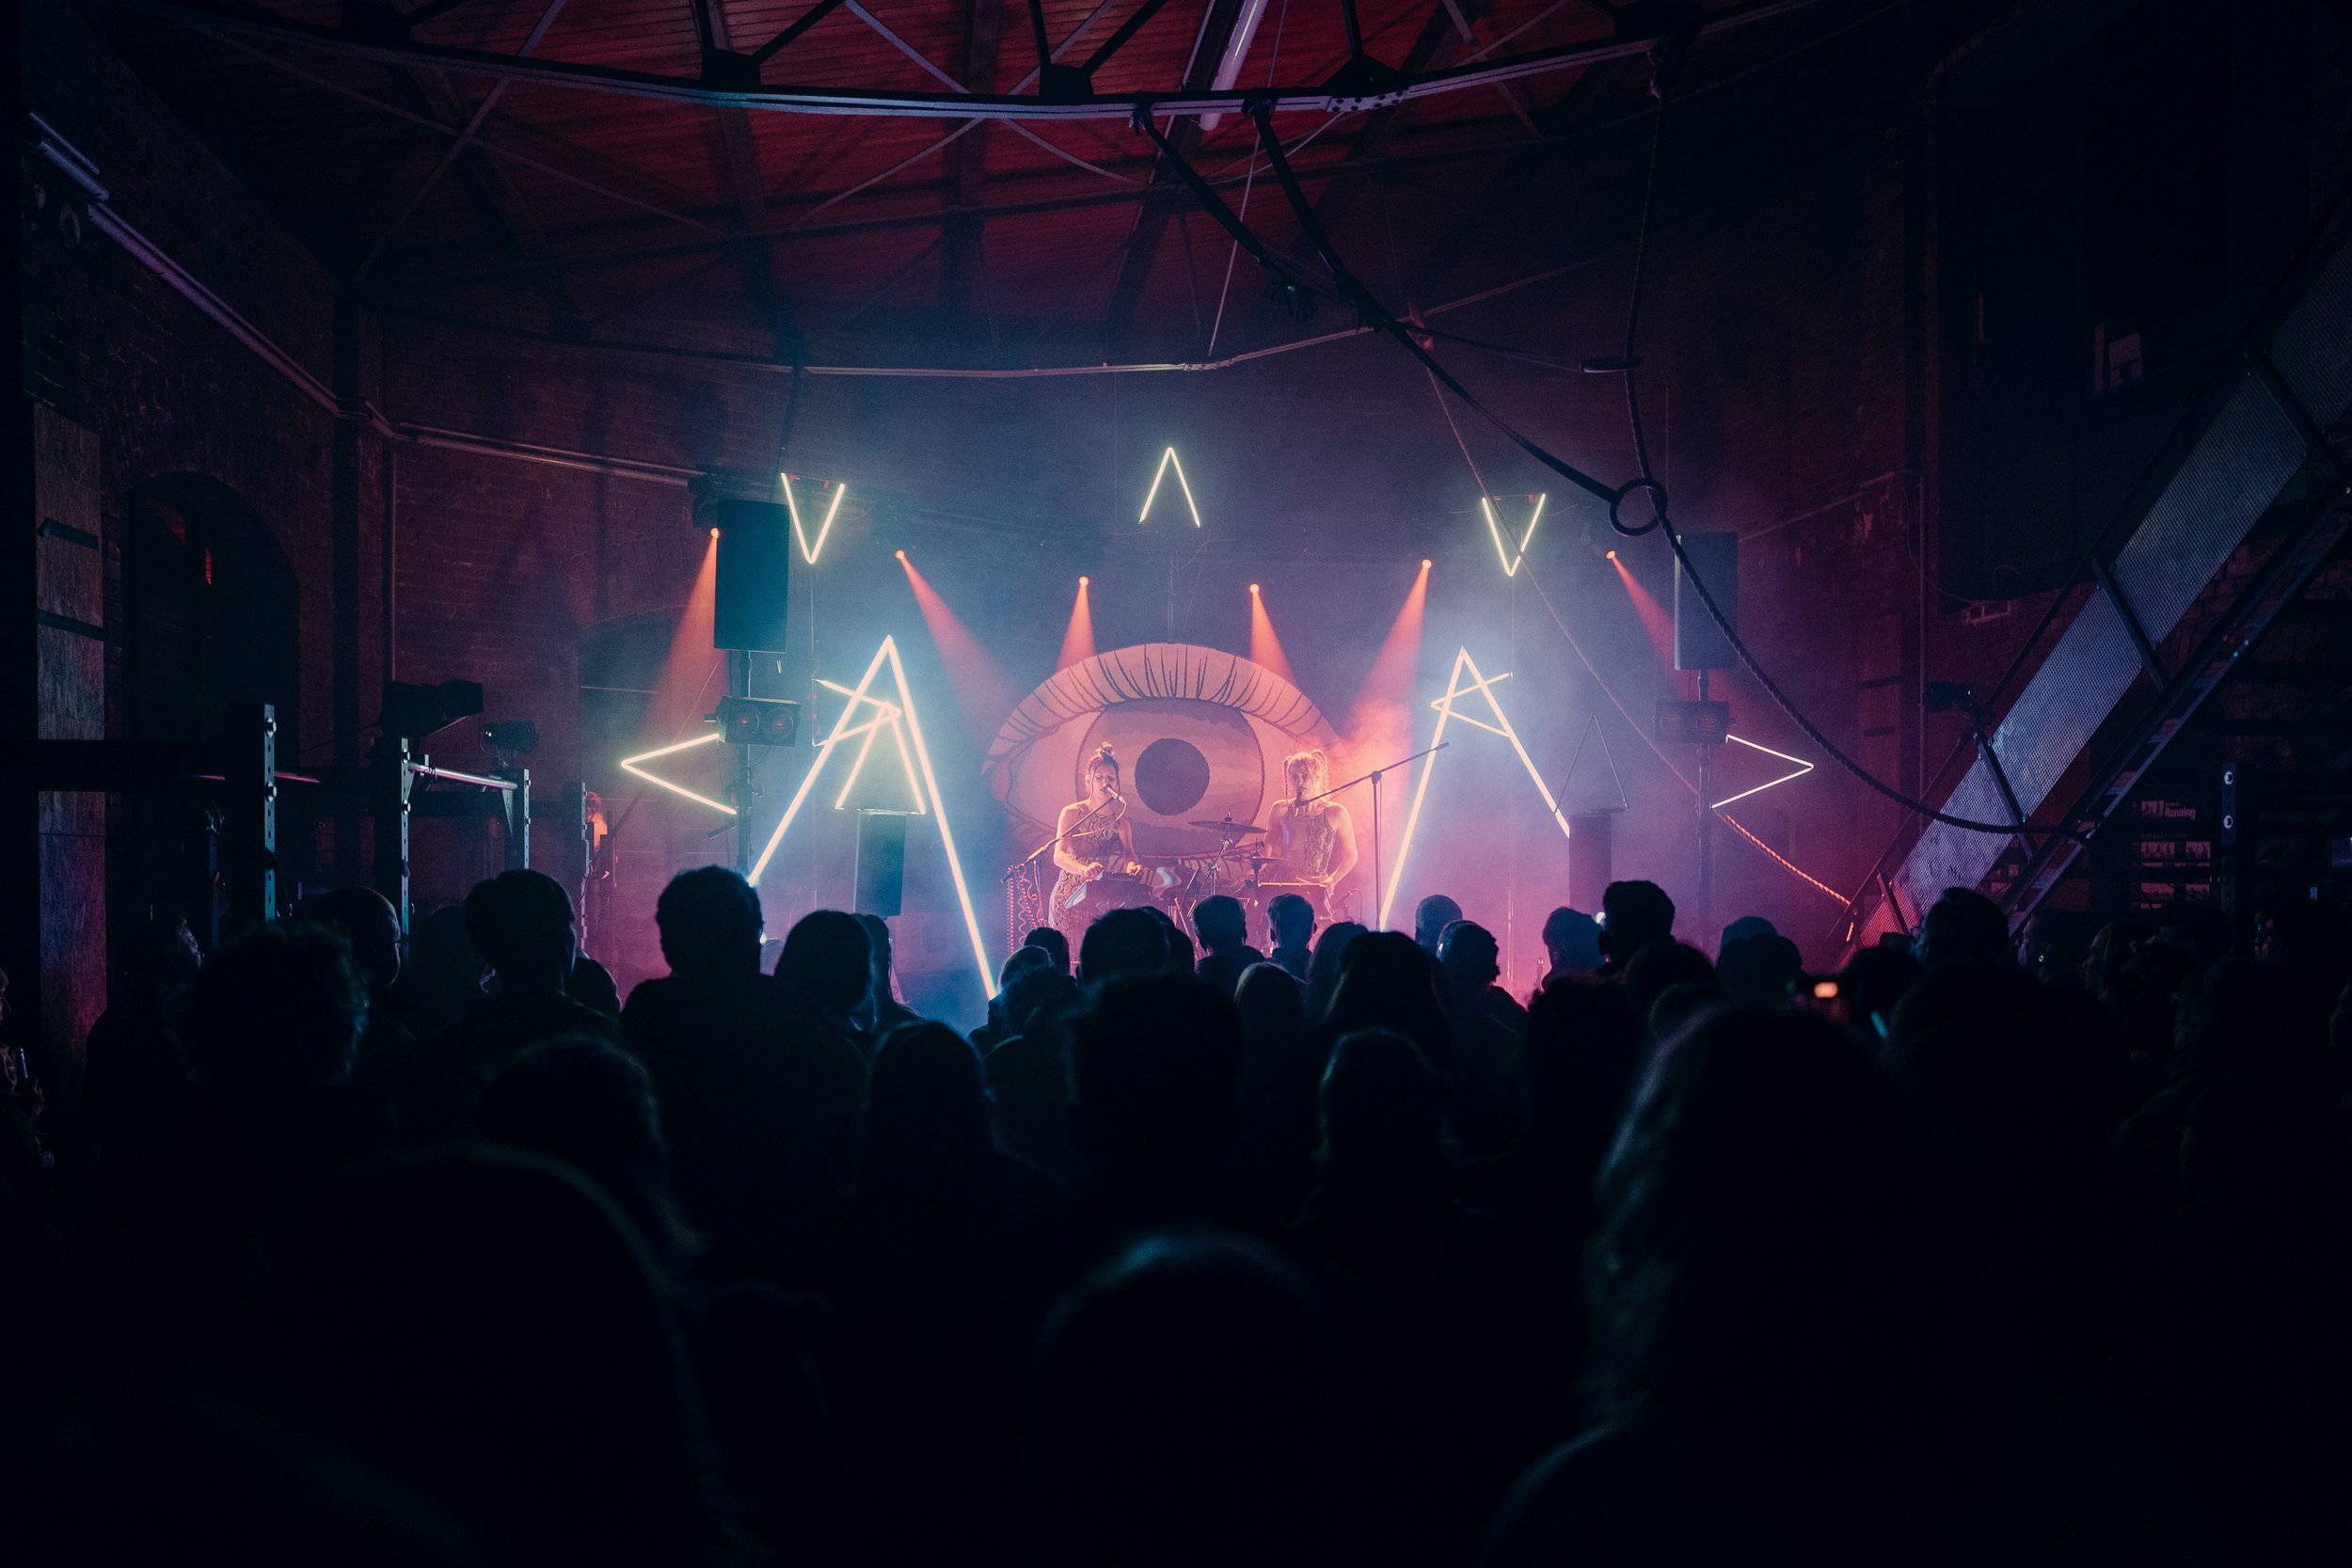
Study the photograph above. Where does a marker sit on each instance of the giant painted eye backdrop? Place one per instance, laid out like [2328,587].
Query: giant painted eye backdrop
[1201,735]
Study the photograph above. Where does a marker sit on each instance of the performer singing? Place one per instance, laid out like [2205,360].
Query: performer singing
[1314,839]
[1093,838]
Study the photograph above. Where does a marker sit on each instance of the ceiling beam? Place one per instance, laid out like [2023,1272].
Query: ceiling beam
[964,232]
[1181,103]
[1166,196]
[1517,146]
[1381,125]
[747,191]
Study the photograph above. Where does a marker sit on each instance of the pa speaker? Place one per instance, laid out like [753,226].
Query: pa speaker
[882,861]
[1699,642]
[754,572]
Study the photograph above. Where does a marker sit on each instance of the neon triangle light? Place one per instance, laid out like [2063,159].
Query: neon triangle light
[629,764]
[1802,768]
[810,552]
[919,775]
[1511,560]
[1456,690]
[887,715]
[1168,461]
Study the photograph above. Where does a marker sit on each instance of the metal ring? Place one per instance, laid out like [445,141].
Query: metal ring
[1616,504]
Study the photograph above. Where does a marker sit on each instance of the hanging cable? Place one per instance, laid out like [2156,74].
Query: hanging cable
[1630,367]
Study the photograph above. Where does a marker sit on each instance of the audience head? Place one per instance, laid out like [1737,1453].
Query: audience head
[1765,1272]
[1964,926]
[1472,961]
[1154,1080]
[589,1104]
[877,952]
[443,962]
[1633,915]
[1273,1009]
[1431,916]
[1324,966]
[277,1012]
[164,959]
[1182,957]
[1188,1406]
[1054,943]
[1760,970]
[368,923]
[1572,940]
[927,1106]
[521,922]
[1290,919]
[1742,930]
[827,960]
[1386,981]
[1123,943]
[1872,986]
[1219,922]
[1383,1110]
[1033,994]
[1661,964]
[1023,961]
[709,922]
[484,1325]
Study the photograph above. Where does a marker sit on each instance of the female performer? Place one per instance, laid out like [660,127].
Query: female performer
[1315,838]
[1092,838]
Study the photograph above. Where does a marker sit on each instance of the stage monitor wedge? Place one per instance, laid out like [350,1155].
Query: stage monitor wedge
[1699,642]
[755,575]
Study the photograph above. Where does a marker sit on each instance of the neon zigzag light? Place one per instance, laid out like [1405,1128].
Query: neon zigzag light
[629,764]
[810,552]
[1510,563]
[927,795]
[1168,461]
[888,714]
[1456,691]
[1803,768]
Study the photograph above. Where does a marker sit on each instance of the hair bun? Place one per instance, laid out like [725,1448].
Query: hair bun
[1105,753]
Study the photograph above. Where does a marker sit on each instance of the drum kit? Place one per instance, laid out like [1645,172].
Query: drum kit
[1237,867]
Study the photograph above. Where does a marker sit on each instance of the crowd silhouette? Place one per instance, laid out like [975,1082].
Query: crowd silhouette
[1226,1246]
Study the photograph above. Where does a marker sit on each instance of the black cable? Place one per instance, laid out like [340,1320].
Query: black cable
[1630,369]
[1353,292]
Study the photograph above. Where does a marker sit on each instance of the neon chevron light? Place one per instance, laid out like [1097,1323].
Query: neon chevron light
[1168,461]
[1802,768]
[810,552]
[629,764]
[1510,560]
[1456,690]
[907,730]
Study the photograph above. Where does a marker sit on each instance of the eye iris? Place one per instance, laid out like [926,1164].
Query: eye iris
[1171,775]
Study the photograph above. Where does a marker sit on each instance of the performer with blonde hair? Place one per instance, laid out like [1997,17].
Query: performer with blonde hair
[1313,840]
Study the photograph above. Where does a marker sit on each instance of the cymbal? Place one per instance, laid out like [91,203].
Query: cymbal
[1238,830]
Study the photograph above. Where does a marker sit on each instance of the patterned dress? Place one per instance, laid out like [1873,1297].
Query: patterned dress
[1097,842]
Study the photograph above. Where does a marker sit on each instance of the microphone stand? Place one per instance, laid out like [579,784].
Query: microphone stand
[1374,778]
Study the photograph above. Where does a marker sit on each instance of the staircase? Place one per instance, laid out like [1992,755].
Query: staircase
[2174,558]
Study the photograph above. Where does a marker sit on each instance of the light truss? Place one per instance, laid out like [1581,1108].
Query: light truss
[1511,559]
[1457,692]
[902,720]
